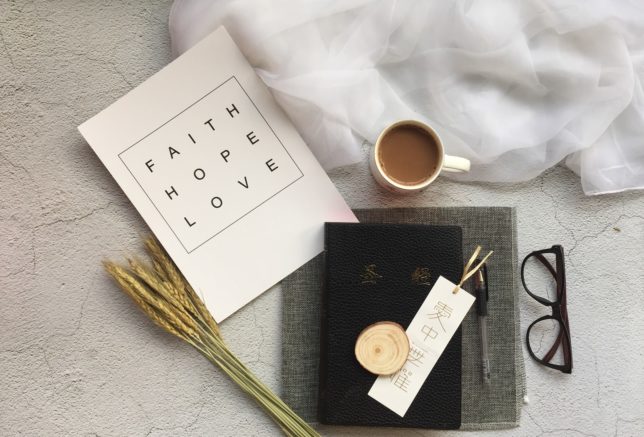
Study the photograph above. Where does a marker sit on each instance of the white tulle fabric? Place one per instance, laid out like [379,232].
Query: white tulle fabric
[515,86]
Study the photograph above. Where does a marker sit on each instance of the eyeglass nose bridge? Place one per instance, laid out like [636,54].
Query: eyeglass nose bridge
[556,310]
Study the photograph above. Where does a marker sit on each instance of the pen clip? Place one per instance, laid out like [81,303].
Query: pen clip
[482,286]
[485,284]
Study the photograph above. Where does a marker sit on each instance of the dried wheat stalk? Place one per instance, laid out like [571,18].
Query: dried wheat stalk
[163,294]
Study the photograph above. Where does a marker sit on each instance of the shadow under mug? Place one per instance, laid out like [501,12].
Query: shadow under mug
[445,162]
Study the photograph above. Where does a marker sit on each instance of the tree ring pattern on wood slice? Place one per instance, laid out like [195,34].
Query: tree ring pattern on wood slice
[382,348]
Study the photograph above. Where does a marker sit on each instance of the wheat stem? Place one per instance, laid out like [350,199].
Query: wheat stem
[164,295]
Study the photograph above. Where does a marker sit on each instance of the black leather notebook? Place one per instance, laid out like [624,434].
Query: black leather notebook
[377,272]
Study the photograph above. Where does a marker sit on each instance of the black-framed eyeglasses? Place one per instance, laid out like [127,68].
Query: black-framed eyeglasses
[548,333]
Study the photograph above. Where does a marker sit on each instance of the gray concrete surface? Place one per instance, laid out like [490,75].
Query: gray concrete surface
[76,357]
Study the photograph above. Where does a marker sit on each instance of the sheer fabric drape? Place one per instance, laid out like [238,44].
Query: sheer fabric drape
[515,86]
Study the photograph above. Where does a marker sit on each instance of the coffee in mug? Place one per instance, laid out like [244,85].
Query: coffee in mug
[409,155]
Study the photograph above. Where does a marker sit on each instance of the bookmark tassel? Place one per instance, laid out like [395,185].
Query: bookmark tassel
[467,273]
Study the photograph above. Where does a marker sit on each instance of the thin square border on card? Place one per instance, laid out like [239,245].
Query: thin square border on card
[243,215]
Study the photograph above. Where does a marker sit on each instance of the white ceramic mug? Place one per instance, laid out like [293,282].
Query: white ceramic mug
[445,162]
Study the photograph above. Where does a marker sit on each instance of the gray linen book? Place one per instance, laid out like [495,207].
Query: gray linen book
[493,406]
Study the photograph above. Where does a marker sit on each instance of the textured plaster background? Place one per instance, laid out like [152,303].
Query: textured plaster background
[76,357]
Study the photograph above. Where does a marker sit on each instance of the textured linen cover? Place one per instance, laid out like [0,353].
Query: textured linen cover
[493,406]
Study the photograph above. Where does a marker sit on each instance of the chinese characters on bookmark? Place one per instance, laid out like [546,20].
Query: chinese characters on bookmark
[429,332]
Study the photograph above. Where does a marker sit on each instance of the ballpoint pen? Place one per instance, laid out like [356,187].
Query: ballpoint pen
[482,296]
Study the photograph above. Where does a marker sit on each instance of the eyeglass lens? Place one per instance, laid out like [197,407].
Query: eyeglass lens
[539,279]
[545,341]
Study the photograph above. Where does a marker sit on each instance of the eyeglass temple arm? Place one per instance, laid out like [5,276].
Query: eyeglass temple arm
[553,350]
[547,264]
[561,338]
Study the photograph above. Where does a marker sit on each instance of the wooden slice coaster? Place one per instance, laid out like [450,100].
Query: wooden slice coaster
[382,348]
